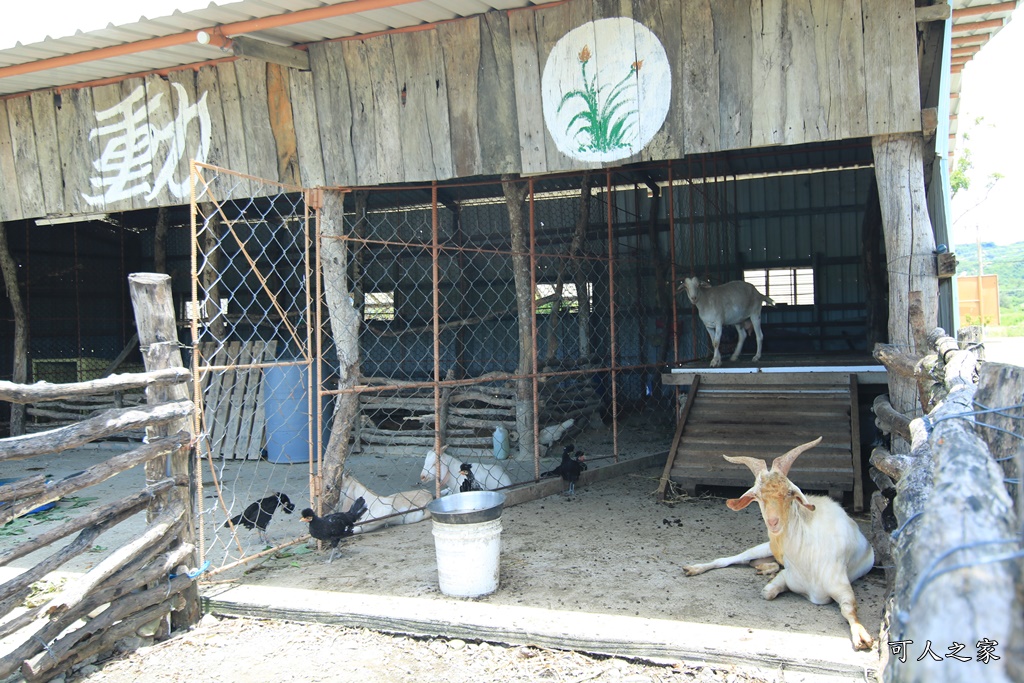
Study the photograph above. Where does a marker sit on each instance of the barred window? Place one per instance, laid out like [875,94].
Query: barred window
[793,286]
[379,306]
[570,299]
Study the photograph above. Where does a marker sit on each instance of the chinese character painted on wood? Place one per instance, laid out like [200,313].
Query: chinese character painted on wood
[126,165]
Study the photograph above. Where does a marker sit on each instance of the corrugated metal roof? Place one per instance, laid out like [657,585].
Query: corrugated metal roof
[974,23]
[370,16]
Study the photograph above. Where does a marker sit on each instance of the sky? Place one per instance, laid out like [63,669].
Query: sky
[990,90]
[990,103]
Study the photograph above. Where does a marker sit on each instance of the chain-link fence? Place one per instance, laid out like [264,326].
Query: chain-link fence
[491,324]
[251,353]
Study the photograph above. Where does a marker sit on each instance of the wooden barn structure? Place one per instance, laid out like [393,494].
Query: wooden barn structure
[731,140]
[457,215]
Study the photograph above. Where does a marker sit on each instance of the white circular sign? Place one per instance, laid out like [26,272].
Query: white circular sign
[606,89]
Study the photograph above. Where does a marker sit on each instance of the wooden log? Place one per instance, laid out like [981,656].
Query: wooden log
[880,537]
[148,569]
[483,413]
[69,527]
[889,419]
[44,391]
[96,474]
[892,466]
[83,542]
[515,201]
[43,668]
[153,304]
[425,439]
[459,421]
[22,488]
[125,606]
[134,576]
[945,568]
[345,322]
[165,525]
[1001,386]
[9,269]
[908,235]
[13,625]
[896,361]
[482,397]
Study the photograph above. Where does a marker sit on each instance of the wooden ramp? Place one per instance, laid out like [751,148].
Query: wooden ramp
[763,416]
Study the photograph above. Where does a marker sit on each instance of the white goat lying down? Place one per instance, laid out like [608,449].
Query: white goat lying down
[730,304]
[490,476]
[380,507]
[822,549]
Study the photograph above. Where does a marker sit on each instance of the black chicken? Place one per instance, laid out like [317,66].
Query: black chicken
[469,483]
[259,513]
[335,526]
[570,468]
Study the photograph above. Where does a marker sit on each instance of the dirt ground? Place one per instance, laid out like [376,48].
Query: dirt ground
[252,651]
[611,549]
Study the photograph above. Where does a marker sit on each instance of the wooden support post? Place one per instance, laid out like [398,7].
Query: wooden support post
[909,248]
[345,323]
[158,337]
[515,198]
[20,375]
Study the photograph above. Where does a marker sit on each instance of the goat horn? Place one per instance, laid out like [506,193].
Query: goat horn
[785,461]
[756,465]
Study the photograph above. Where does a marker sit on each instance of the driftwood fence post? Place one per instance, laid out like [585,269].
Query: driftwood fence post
[158,337]
[516,192]
[957,580]
[345,321]
[20,375]
[909,248]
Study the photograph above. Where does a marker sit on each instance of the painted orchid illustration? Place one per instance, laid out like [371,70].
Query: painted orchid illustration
[601,124]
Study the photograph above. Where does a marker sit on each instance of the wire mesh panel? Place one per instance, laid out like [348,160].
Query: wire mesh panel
[250,320]
[458,337]
[496,354]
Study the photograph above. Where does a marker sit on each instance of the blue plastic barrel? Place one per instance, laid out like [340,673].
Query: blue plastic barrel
[286,403]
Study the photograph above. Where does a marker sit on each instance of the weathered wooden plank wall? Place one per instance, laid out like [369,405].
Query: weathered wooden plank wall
[465,98]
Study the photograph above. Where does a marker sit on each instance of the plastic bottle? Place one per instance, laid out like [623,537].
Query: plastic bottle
[501,443]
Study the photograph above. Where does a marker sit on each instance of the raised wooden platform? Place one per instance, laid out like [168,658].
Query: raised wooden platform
[762,412]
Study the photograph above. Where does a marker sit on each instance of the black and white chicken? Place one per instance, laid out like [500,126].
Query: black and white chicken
[469,482]
[335,526]
[257,515]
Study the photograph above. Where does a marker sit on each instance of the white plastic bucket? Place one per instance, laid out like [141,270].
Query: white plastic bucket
[468,557]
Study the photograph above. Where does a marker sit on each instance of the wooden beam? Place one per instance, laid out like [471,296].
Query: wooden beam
[107,423]
[968,51]
[979,10]
[252,48]
[44,391]
[979,39]
[932,13]
[929,121]
[969,26]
